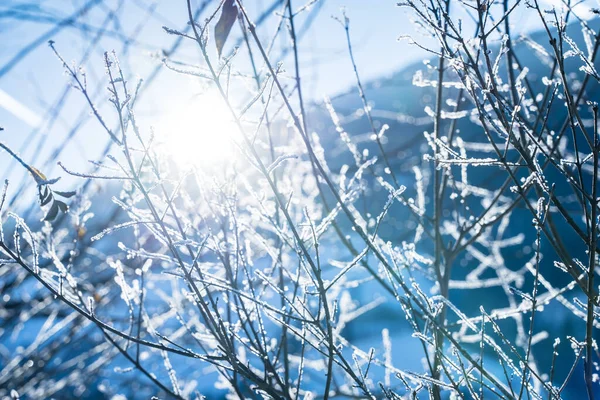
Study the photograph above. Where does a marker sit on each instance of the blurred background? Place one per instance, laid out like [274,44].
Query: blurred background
[41,116]
[45,119]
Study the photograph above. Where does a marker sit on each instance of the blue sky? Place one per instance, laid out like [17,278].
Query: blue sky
[38,80]
[31,86]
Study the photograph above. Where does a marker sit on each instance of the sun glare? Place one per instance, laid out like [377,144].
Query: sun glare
[199,132]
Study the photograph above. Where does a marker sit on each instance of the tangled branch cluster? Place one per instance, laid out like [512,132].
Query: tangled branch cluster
[256,274]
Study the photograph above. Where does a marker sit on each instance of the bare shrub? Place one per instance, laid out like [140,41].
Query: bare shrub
[467,216]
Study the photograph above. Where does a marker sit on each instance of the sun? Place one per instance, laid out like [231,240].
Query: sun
[199,132]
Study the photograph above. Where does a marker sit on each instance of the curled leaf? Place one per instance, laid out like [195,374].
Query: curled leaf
[52,213]
[45,196]
[228,15]
[66,195]
[62,206]
[37,175]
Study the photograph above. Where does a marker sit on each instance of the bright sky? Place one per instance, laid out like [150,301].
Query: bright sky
[29,88]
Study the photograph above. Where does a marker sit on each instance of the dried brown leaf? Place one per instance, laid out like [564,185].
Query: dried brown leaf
[223,28]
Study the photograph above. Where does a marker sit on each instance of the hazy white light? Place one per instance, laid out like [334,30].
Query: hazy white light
[581,9]
[199,132]
[19,110]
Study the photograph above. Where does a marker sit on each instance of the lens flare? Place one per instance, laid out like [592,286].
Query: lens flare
[199,132]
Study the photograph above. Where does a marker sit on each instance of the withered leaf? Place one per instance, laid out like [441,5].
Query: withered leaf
[46,197]
[38,175]
[52,213]
[65,194]
[228,15]
[62,206]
